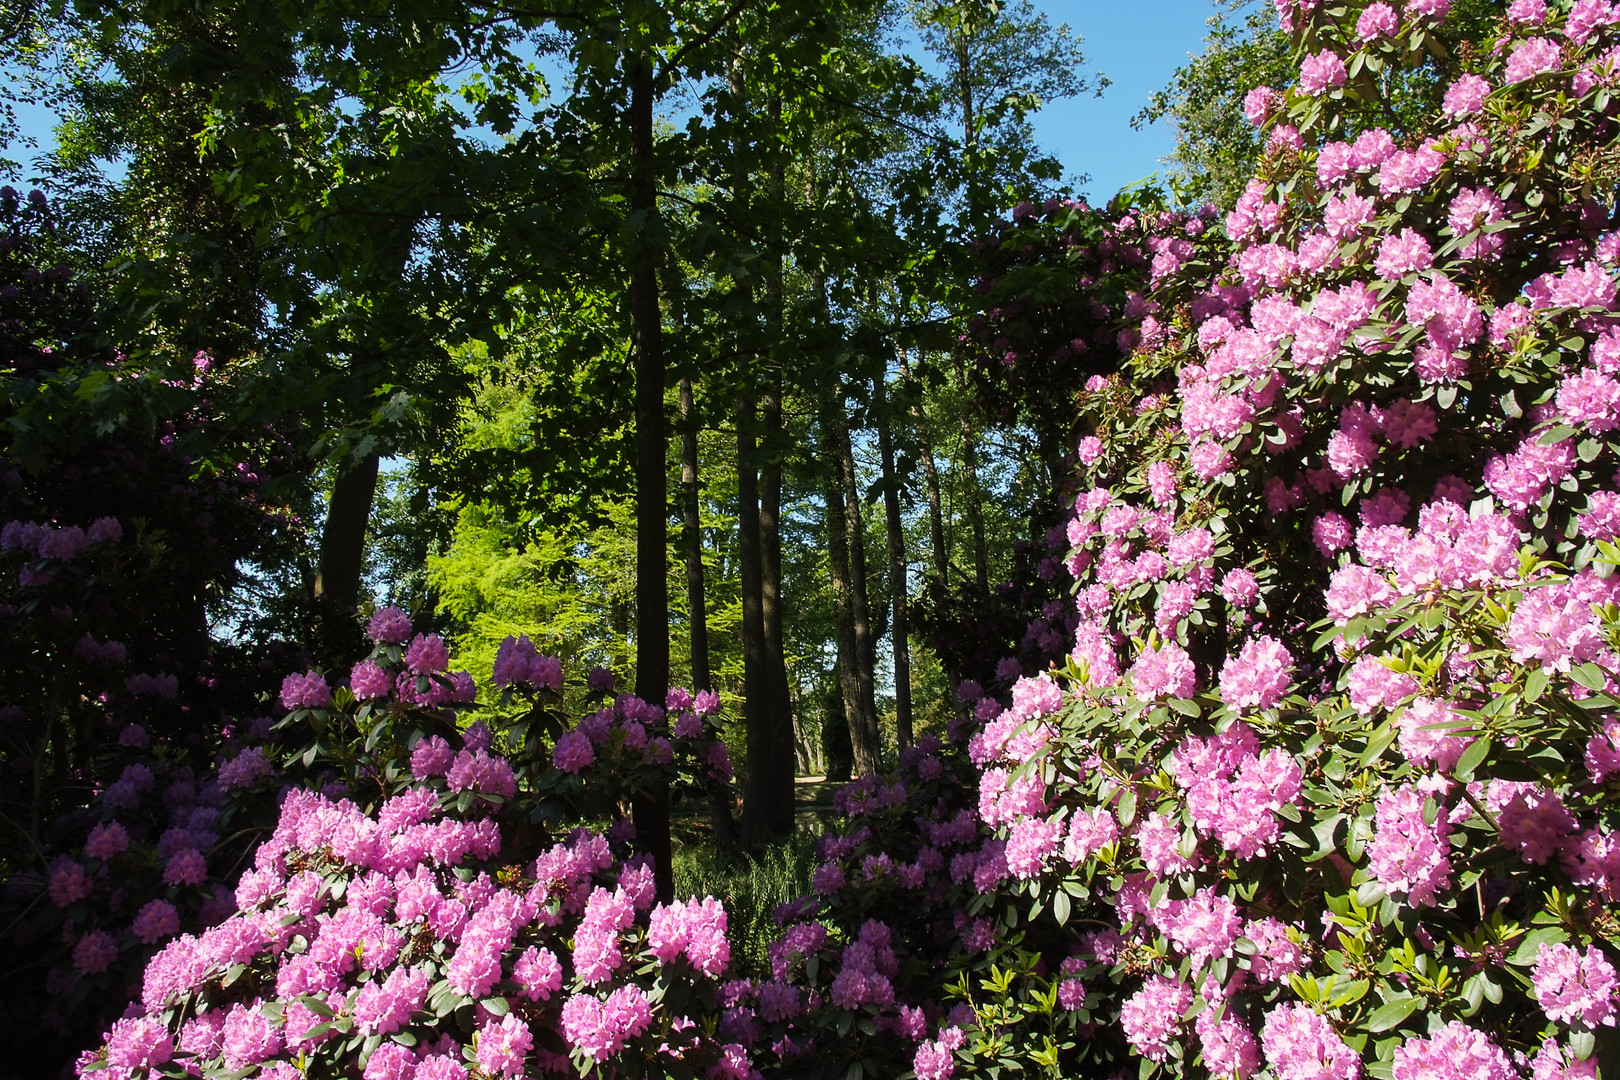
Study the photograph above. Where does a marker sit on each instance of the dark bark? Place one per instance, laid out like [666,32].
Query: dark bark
[343,538]
[971,494]
[770,515]
[779,701]
[897,570]
[692,542]
[651,808]
[721,819]
[847,586]
[849,695]
[757,814]
[936,517]
[860,606]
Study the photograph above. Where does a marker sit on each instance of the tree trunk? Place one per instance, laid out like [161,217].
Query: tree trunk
[844,623]
[860,608]
[853,671]
[757,814]
[936,517]
[779,704]
[971,495]
[721,821]
[650,809]
[775,685]
[696,598]
[343,538]
[897,568]
[970,126]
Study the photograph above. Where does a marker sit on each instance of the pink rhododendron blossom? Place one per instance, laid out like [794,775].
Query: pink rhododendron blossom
[1554,626]
[1377,20]
[1260,103]
[1089,832]
[369,681]
[1277,955]
[1409,856]
[1533,57]
[1409,170]
[1166,671]
[1321,72]
[1603,752]
[307,691]
[1573,987]
[1301,1044]
[431,757]
[389,626]
[1456,1050]
[1527,12]
[1151,1017]
[1258,676]
[1555,1062]
[1466,95]
[502,1046]
[426,654]
[1402,253]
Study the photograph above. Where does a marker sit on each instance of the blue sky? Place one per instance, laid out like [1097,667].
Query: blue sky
[1138,44]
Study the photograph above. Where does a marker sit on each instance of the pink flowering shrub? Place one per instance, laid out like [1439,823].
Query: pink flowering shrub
[1356,815]
[412,914]
[402,717]
[414,941]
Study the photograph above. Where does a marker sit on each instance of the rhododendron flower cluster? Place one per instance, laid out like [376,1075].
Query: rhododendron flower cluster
[351,927]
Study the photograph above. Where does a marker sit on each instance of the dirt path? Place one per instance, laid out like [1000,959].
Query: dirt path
[813,801]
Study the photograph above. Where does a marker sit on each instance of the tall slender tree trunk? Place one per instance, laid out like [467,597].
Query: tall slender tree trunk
[897,568]
[782,765]
[847,564]
[864,750]
[775,684]
[972,496]
[757,814]
[343,538]
[650,810]
[721,821]
[936,516]
[860,606]
[970,125]
[692,545]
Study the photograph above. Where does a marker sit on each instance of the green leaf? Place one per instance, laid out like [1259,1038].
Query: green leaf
[1392,1013]
[1127,806]
[1535,683]
[1530,947]
[1588,675]
[1471,758]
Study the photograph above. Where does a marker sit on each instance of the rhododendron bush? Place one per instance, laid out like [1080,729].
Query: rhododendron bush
[1327,786]
[423,907]
[400,715]
[115,705]
[410,943]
